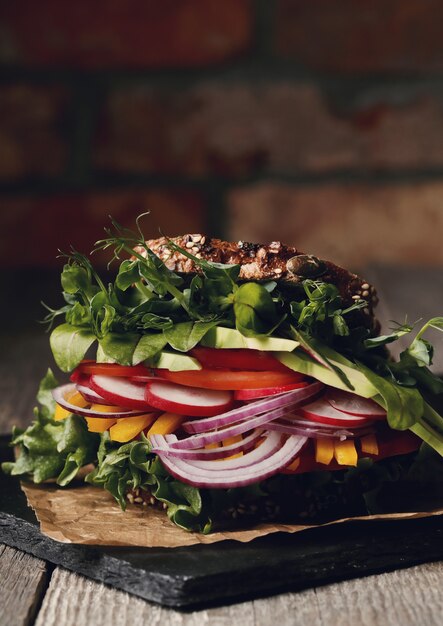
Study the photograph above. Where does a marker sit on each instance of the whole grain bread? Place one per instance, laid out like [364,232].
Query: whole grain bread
[274,261]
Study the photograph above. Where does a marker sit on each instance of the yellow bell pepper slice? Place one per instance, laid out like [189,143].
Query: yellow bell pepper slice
[126,428]
[228,442]
[212,446]
[294,465]
[76,398]
[369,444]
[324,451]
[166,424]
[98,424]
[345,452]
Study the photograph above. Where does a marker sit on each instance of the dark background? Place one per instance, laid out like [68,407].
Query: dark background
[316,122]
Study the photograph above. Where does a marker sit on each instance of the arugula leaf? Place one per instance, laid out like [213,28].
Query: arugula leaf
[428,380]
[157,322]
[382,340]
[120,347]
[148,347]
[184,336]
[69,345]
[404,406]
[254,309]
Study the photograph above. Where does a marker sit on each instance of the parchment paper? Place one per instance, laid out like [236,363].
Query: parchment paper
[88,515]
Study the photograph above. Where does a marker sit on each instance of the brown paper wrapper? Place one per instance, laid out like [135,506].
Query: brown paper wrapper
[87,515]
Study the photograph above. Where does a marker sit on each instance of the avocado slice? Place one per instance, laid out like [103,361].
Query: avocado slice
[173,361]
[303,363]
[229,338]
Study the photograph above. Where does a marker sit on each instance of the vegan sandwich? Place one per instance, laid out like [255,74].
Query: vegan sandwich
[232,383]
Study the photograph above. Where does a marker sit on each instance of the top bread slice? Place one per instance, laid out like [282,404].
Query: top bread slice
[274,261]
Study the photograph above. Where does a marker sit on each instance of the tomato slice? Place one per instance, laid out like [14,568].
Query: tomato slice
[238,359]
[108,369]
[255,394]
[229,380]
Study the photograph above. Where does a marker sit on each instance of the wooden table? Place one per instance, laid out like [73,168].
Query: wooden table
[32,591]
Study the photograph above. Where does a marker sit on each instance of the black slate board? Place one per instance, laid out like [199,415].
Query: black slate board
[205,575]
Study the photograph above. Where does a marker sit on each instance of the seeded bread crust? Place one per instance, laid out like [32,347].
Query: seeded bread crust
[274,261]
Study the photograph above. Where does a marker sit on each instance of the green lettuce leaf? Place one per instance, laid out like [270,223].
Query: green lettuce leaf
[131,466]
[49,448]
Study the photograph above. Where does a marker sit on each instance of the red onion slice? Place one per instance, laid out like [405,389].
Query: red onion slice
[89,394]
[235,476]
[292,428]
[252,409]
[59,394]
[200,440]
[160,442]
[269,447]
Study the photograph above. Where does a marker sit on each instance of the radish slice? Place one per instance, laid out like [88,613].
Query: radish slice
[293,428]
[120,391]
[292,398]
[321,411]
[313,430]
[236,475]
[354,405]
[89,394]
[187,400]
[59,394]
[162,443]
[255,394]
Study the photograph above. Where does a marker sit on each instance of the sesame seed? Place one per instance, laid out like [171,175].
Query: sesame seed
[203,239]
[189,244]
[365,294]
[145,503]
[356,297]
[152,500]
[196,238]
[195,249]
[138,500]
[278,270]
[365,286]
[165,506]
[198,255]
[130,498]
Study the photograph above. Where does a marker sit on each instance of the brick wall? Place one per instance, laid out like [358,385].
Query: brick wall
[319,123]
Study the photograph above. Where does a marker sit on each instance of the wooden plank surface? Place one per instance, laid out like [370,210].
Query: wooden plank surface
[22,585]
[409,597]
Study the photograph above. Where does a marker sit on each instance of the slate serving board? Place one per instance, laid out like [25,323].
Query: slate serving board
[205,575]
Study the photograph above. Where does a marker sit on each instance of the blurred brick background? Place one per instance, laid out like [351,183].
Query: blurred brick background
[316,122]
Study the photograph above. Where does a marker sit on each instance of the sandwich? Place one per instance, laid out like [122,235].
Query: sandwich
[230,384]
